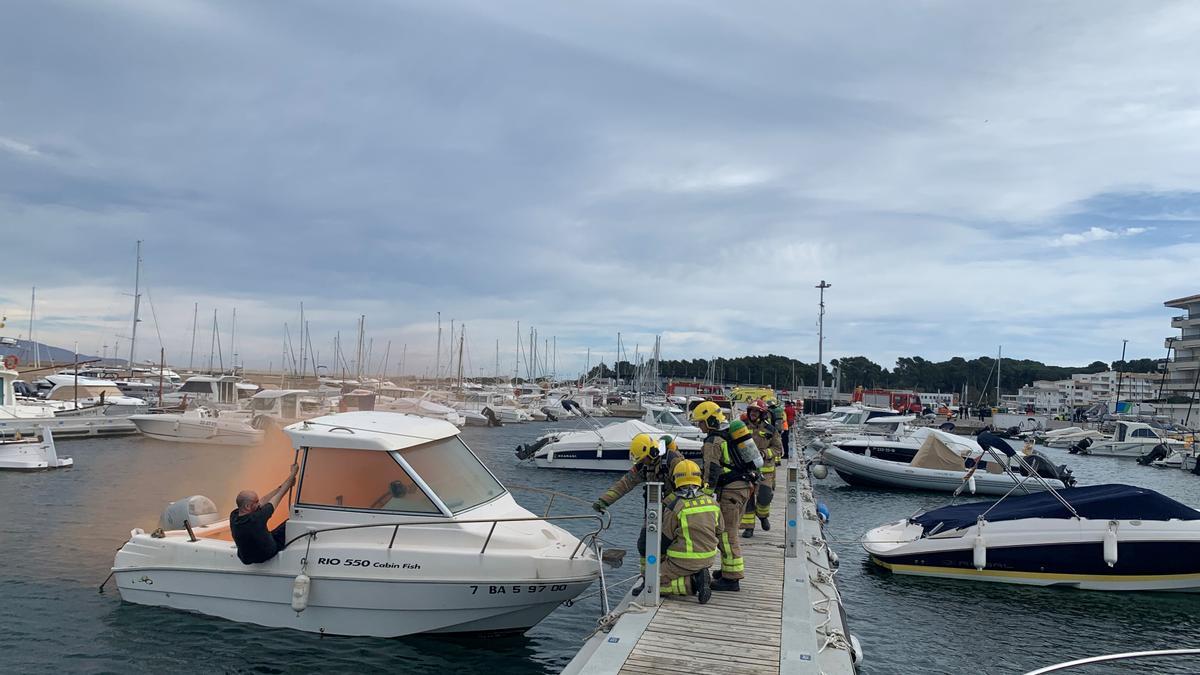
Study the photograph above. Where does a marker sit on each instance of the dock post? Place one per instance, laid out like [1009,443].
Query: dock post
[653,542]
[791,534]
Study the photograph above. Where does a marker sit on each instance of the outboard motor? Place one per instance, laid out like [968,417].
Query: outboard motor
[196,510]
[549,412]
[572,406]
[1081,448]
[1048,469]
[527,450]
[947,427]
[1159,451]
[493,420]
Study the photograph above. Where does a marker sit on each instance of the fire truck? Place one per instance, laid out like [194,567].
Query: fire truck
[899,400]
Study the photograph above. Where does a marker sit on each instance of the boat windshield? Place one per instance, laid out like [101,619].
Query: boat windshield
[667,418]
[454,473]
[360,479]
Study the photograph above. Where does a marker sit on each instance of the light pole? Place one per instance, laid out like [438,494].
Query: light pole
[821,341]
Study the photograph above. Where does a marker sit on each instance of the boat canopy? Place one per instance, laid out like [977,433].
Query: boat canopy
[1112,501]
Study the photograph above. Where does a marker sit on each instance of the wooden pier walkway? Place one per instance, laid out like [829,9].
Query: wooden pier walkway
[787,619]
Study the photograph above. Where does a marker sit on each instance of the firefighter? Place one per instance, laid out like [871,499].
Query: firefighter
[653,462]
[767,438]
[691,532]
[730,481]
[782,424]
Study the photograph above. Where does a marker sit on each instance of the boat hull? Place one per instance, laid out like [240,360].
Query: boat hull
[871,472]
[345,606]
[179,429]
[1064,553]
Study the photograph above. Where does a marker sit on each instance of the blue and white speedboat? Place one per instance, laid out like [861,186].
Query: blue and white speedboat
[1101,537]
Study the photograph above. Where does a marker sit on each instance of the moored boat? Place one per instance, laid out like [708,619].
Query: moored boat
[1102,537]
[395,528]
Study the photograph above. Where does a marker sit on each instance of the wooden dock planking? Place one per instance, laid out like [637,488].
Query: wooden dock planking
[737,633]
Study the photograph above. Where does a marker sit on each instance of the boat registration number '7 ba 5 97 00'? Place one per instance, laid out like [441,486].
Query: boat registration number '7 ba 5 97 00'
[517,588]
[360,562]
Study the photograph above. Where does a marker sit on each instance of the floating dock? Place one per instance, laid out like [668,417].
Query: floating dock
[787,619]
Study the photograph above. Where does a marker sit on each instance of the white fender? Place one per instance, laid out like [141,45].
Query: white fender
[1110,543]
[971,483]
[820,471]
[300,589]
[980,552]
[856,650]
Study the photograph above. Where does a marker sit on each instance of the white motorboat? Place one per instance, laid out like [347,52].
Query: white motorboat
[1065,438]
[1100,537]
[226,392]
[851,419]
[667,418]
[32,454]
[598,449]
[887,437]
[422,407]
[72,395]
[29,417]
[1129,439]
[395,528]
[199,425]
[941,465]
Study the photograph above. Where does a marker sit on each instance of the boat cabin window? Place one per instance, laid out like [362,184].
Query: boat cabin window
[360,479]
[194,387]
[263,404]
[1143,433]
[454,473]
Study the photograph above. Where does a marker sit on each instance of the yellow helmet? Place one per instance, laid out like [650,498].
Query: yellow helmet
[687,472]
[641,447]
[706,411]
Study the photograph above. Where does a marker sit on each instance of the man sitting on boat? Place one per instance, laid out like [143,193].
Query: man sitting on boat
[248,523]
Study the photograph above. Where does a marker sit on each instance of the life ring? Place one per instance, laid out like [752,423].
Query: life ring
[11,361]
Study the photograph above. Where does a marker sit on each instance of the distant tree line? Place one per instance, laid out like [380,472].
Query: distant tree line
[910,372]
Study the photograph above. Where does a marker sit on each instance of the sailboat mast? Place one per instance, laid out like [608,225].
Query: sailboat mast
[212,347]
[461,338]
[437,363]
[137,297]
[32,345]
[999,351]
[232,340]
[302,340]
[192,353]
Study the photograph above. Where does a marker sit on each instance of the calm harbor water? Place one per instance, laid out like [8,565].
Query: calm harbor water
[60,530]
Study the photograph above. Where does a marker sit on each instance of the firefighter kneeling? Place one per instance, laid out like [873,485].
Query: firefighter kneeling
[691,530]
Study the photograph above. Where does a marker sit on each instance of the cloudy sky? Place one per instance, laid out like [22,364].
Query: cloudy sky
[965,174]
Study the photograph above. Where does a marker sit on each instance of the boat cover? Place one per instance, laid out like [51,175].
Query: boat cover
[1112,501]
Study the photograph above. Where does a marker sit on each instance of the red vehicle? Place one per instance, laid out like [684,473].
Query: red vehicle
[900,401]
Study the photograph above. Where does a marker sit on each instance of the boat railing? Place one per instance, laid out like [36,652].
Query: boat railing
[1106,658]
[602,523]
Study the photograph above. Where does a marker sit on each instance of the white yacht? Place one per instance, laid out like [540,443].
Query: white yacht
[73,395]
[32,454]
[666,417]
[29,417]
[226,392]
[200,425]
[394,528]
[1129,439]
[596,449]
[422,407]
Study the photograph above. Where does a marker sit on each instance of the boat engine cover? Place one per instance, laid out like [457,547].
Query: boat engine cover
[197,510]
